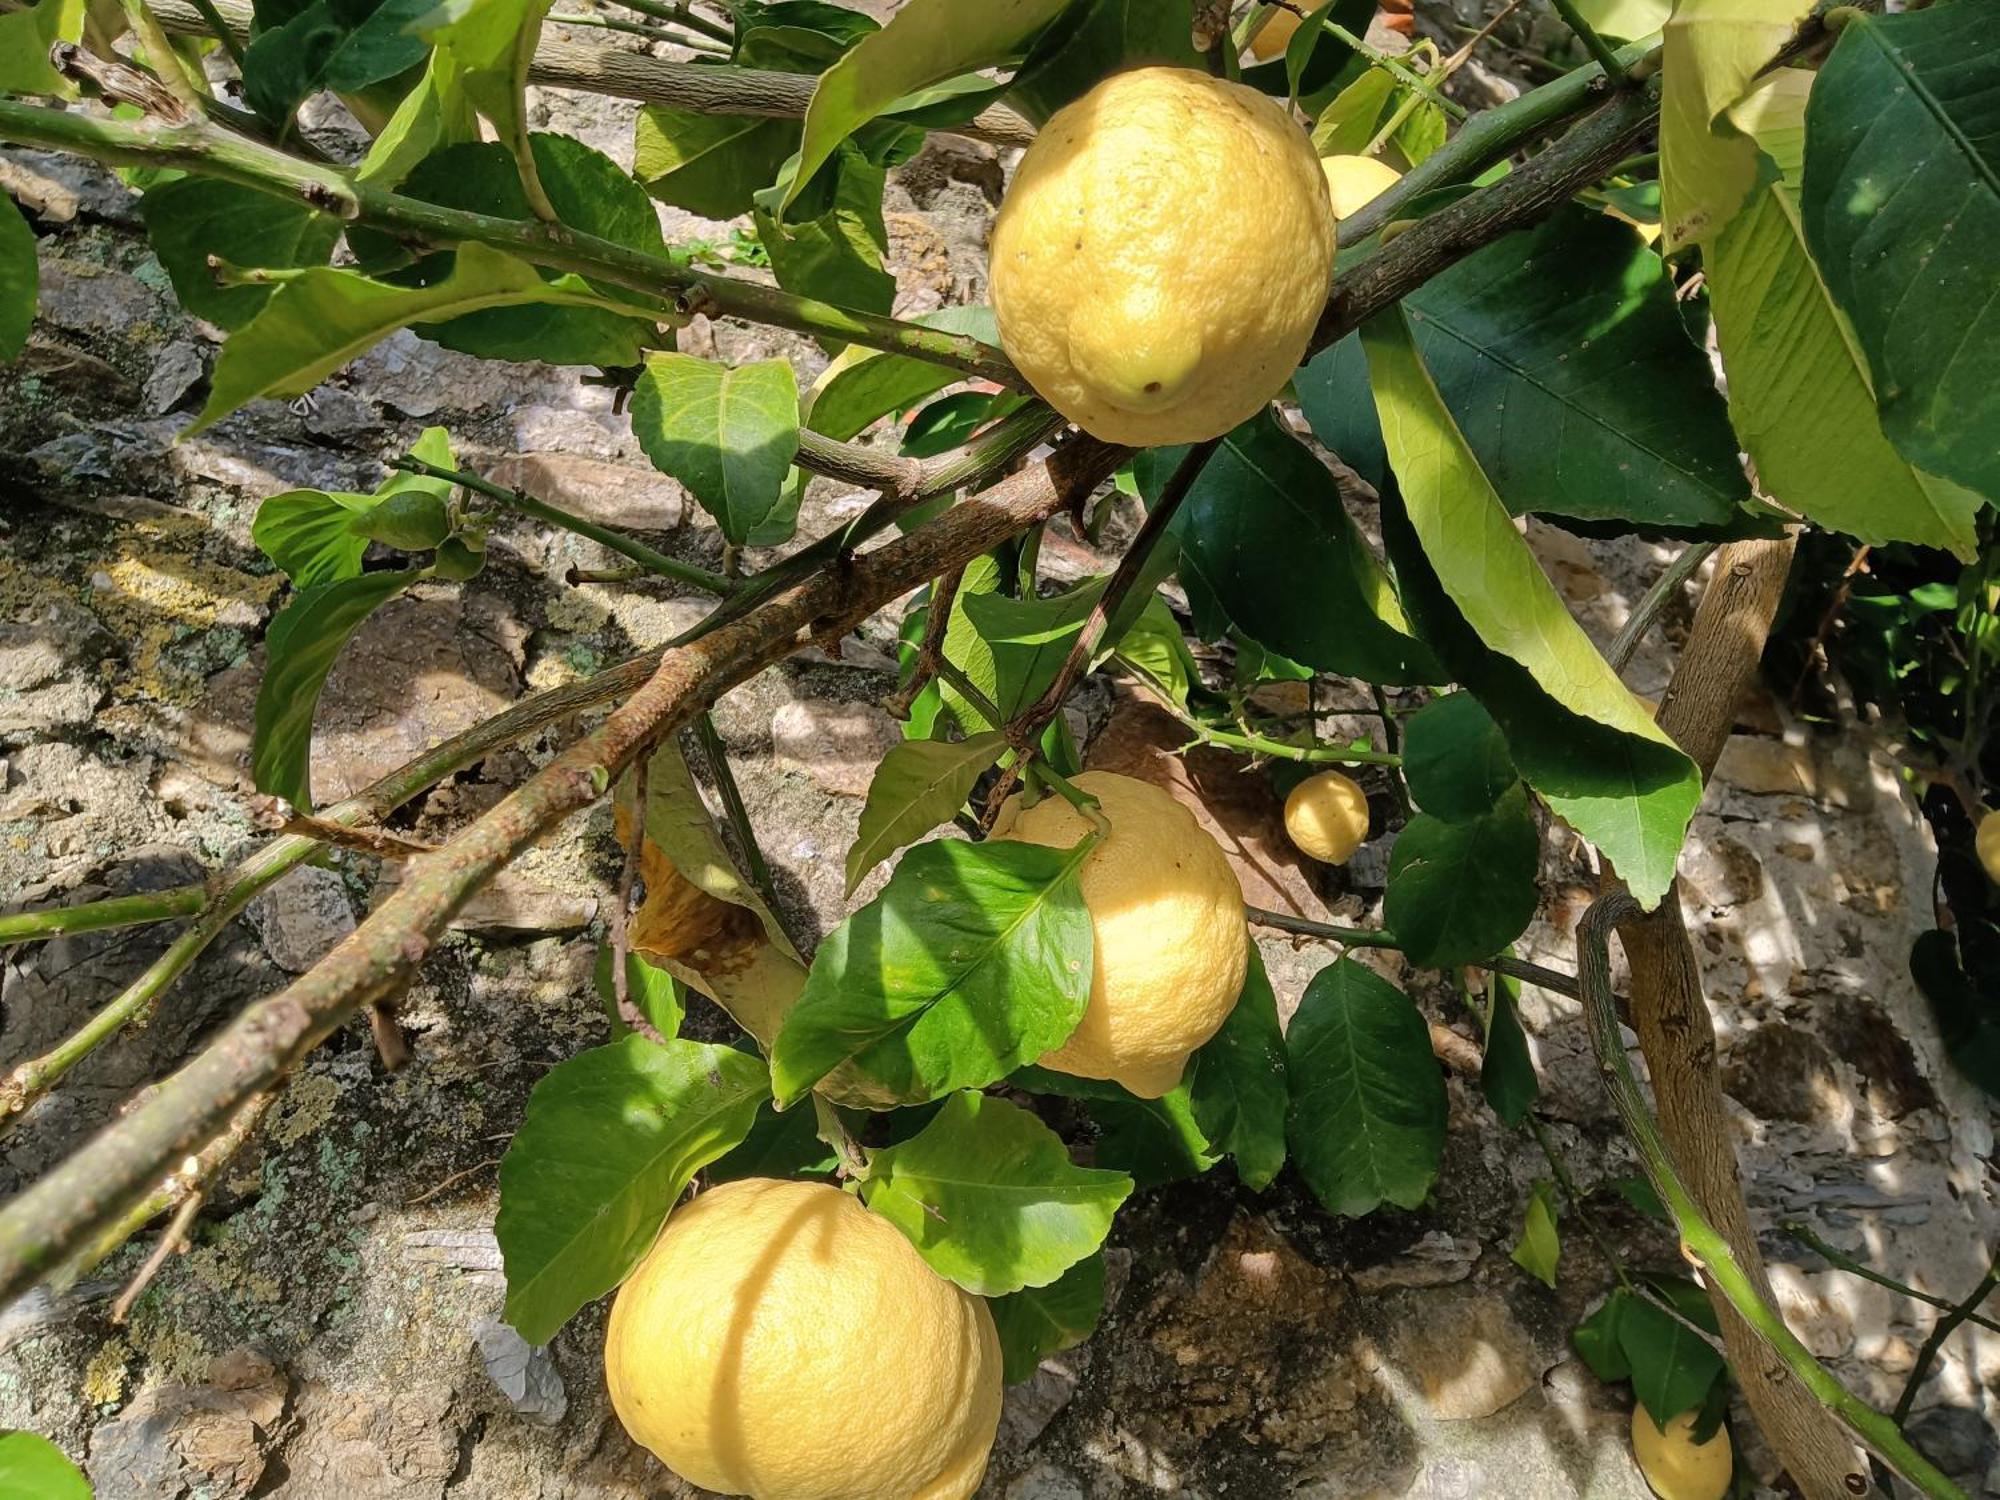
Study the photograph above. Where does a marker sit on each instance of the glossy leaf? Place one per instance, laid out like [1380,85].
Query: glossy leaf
[20,278]
[925,42]
[299,650]
[1038,1321]
[1460,892]
[918,785]
[1265,534]
[26,37]
[1672,1367]
[316,323]
[709,164]
[1799,390]
[1154,647]
[609,1142]
[1455,758]
[33,1468]
[192,218]
[1356,115]
[343,45]
[1237,1085]
[1010,649]
[311,534]
[1311,42]
[434,114]
[1711,53]
[653,991]
[1901,206]
[864,385]
[973,960]
[1154,1140]
[1332,388]
[1539,1249]
[1625,20]
[830,244]
[780,1144]
[1367,1119]
[1484,566]
[1095,38]
[727,434]
[492,43]
[988,1195]
[1507,1071]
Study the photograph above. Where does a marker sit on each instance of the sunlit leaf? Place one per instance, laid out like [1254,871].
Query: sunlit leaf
[727,434]
[1538,1250]
[918,785]
[33,1468]
[709,164]
[26,37]
[652,991]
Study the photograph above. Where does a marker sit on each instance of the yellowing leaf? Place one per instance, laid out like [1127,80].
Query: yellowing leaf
[1711,53]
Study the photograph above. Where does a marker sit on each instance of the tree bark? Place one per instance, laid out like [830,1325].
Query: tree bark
[1677,1036]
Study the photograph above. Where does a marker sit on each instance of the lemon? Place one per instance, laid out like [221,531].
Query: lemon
[1987,841]
[780,1341]
[1270,41]
[1166,914]
[1326,817]
[1162,256]
[1677,1467]
[1353,180]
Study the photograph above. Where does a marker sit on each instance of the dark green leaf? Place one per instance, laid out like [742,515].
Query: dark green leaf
[1038,1321]
[729,435]
[918,785]
[1901,204]
[411,521]
[973,960]
[1507,1072]
[990,1198]
[610,1140]
[20,276]
[1095,38]
[1155,1141]
[1368,1104]
[654,992]
[1597,1338]
[1313,54]
[1333,393]
[1640,1194]
[299,650]
[343,45]
[33,1468]
[1455,758]
[1968,1021]
[709,164]
[1460,892]
[1538,1251]
[1264,532]
[1237,1084]
[864,385]
[830,244]
[192,218]
[1672,1367]
[796,36]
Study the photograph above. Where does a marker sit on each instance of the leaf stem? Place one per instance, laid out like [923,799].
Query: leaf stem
[97,916]
[221,31]
[1608,60]
[684,15]
[1673,578]
[735,809]
[1940,1331]
[1404,74]
[1804,1235]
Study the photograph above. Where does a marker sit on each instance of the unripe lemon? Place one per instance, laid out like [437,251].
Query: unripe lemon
[1326,817]
[1166,912]
[1274,36]
[1354,180]
[1987,841]
[1677,1467]
[1162,256]
[780,1341]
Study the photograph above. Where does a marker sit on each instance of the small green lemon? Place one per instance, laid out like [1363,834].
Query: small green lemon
[1162,256]
[1326,817]
[1675,1465]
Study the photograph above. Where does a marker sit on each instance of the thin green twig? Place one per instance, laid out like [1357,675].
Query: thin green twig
[1940,1331]
[97,916]
[1804,1235]
[1598,48]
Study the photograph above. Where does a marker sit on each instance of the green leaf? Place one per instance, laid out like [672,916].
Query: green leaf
[1310,42]
[796,36]
[343,45]
[1095,38]
[1236,1082]
[833,253]
[729,435]
[780,1144]
[609,1141]
[1484,566]
[26,37]
[1597,1338]
[434,114]
[1460,892]
[1332,389]
[323,318]
[1356,115]
[1966,1018]
[1368,1106]
[1711,53]
[1455,758]
[1901,205]
[492,42]
[973,960]
[1154,647]
[1799,391]
[33,1468]
[1038,1321]
[708,164]
[1264,533]
[925,42]
[1625,20]
[192,218]
[1010,649]
[864,385]
[1154,1141]
[1507,1071]
[990,1198]
[653,991]
[299,650]
[1538,1250]
[311,534]
[20,277]
[918,785]
[1672,1367]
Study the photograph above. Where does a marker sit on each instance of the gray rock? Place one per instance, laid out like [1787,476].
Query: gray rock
[525,1374]
[619,495]
[1046,1482]
[301,917]
[214,1440]
[175,371]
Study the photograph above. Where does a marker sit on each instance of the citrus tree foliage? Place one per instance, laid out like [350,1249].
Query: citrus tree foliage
[1834,230]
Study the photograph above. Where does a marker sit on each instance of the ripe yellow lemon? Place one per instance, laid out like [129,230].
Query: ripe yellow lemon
[1987,840]
[1326,817]
[1353,180]
[780,1341]
[1677,1467]
[1162,256]
[1170,946]
[1272,38]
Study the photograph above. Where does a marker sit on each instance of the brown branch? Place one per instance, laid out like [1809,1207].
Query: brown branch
[930,652]
[173,1238]
[276,815]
